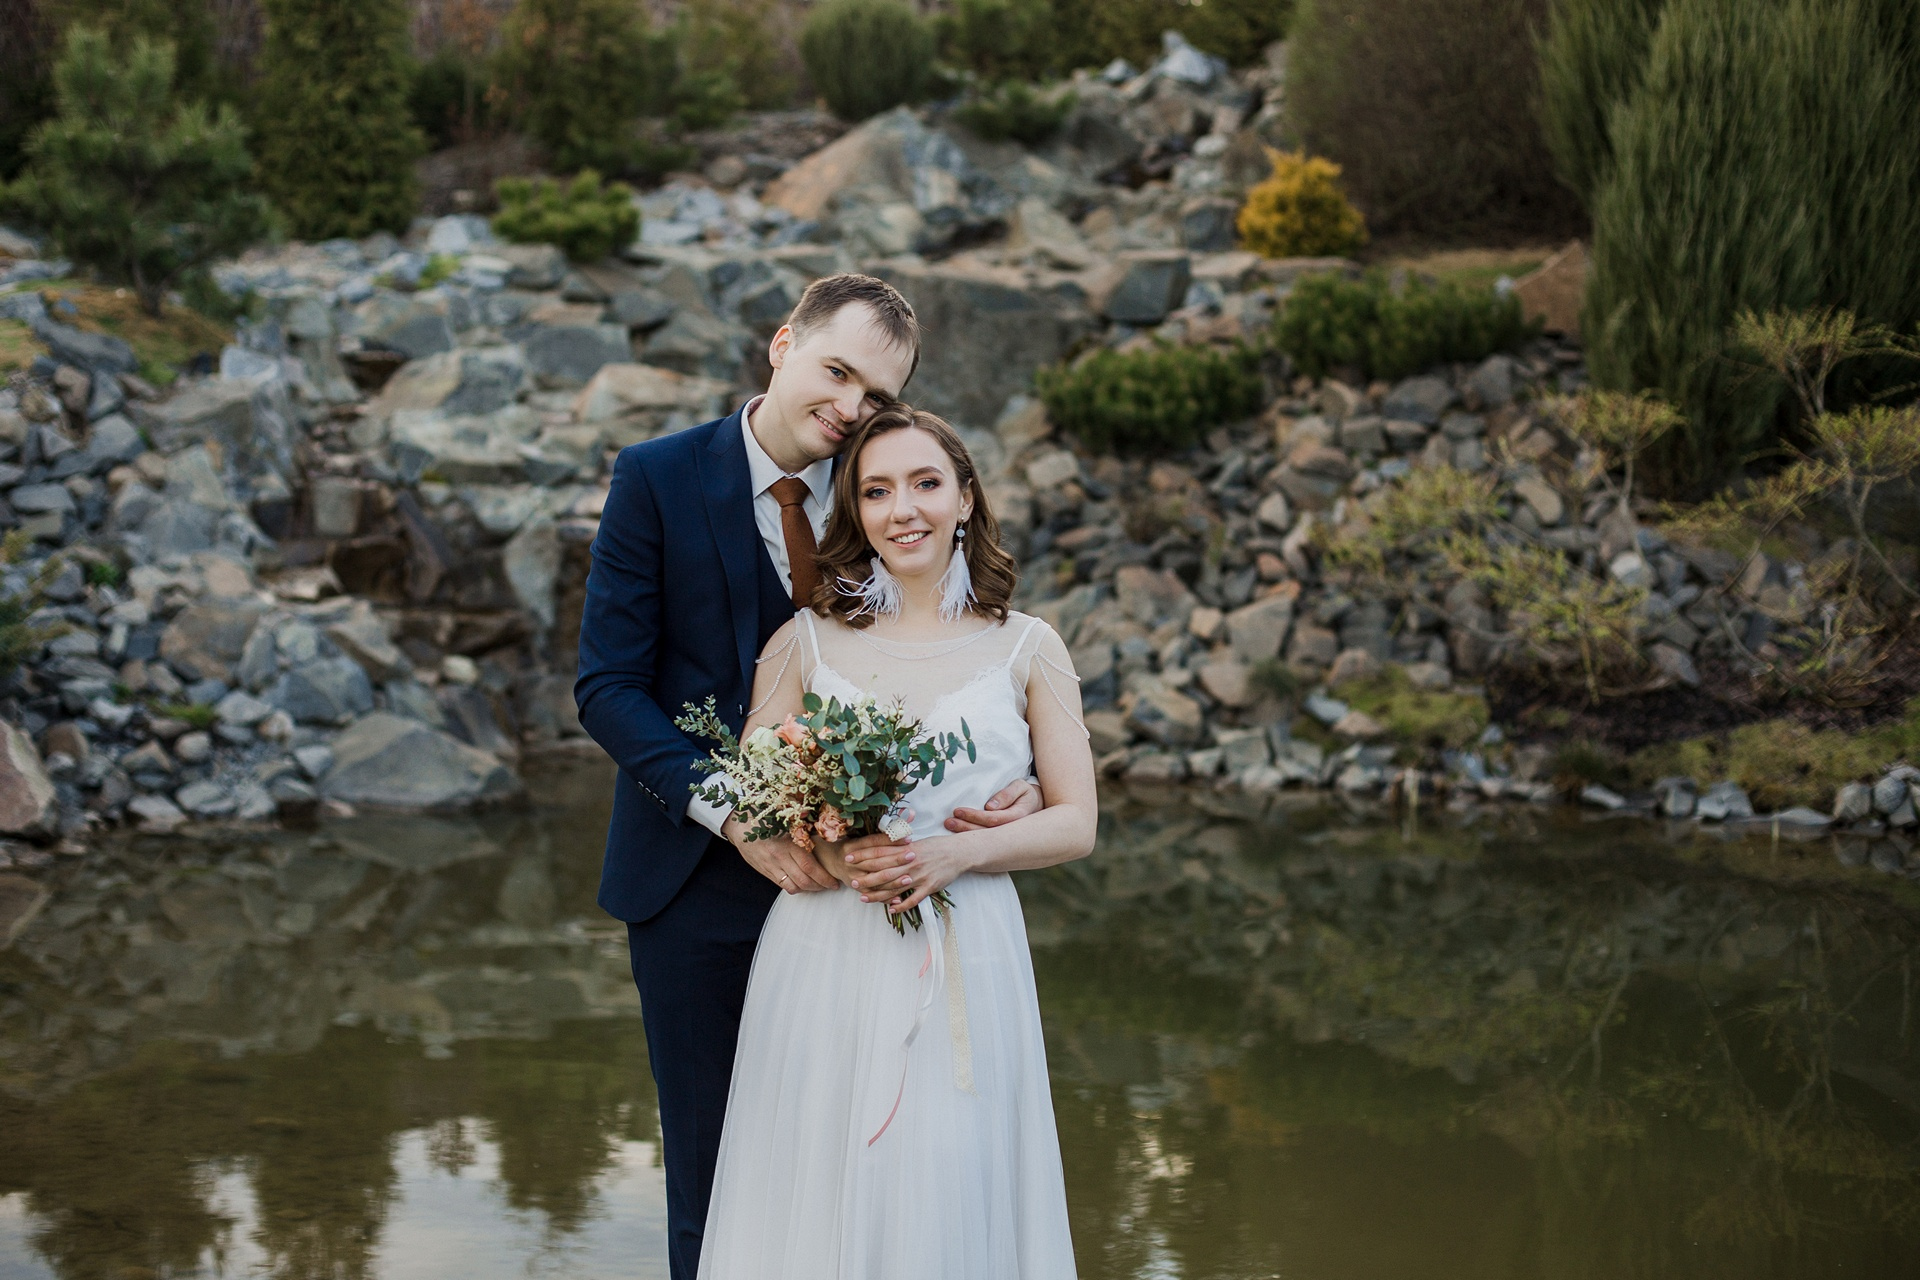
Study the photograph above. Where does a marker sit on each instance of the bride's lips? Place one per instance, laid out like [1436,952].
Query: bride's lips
[912,539]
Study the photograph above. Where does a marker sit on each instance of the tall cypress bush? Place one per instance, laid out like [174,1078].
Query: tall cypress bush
[866,56]
[1429,107]
[335,139]
[1591,61]
[578,73]
[1767,161]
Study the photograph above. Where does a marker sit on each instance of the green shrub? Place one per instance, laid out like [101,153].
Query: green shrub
[1330,322]
[866,56]
[1590,62]
[749,41]
[1428,105]
[576,73]
[334,137]
[706,99]
[1092,32]
[1000,39]
[585,218]
[1152,400]
[26,89]
[1299,210]
[1014,110]
[143,189]
[1765,162]
[448,98]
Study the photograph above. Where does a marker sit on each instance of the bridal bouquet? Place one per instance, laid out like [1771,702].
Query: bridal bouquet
[836,771]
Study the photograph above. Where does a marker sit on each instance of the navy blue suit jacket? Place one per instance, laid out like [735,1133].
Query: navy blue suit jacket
[680,598]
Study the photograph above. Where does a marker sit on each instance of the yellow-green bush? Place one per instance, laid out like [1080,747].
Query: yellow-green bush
[1781,762]
[1417,720]
[1299,211]
[585,218]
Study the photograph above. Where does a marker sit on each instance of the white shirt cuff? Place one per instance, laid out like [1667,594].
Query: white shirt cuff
[706,812]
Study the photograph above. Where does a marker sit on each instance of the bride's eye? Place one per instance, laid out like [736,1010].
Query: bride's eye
[931,482]
[874,493]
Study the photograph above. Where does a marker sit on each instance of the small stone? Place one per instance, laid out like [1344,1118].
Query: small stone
[1326,710]
[1801,816]
[204,799]
[1156,767]
[1257,631]
[1167,716]
[1423,399]
[1353,664]
[1677,800]
[314,761]
[194,747]
[1630,569]
[1889,793]
[156,813]
[1242,749]
[1675,663]
[276,727]
[242,709]
[1543,498]
[1358,725]
[1052,469]
[1204,623]
[1602,797]
[1428,677]
[1853,802]
[1226,681]
[149,757]
[1723,800]
[1275,512]
[459,669]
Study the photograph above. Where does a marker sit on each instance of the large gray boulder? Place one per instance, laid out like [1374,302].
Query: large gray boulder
[247,422]
[988,331]
[392,762]
[466,381]
[28,804]
[1142,287]
[699,345]
[206,638]
[325,691]
[634,402]
[564,356]
[483,449]
[406,326]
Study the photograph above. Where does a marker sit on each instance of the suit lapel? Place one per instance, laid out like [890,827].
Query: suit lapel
[729,499]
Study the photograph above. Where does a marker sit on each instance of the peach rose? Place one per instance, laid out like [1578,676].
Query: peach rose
[800,836]
[832,825]
[795,734]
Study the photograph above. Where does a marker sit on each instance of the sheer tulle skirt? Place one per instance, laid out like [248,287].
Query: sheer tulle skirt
[849,1155]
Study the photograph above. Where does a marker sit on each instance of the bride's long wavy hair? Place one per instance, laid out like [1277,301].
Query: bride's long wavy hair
[845,551]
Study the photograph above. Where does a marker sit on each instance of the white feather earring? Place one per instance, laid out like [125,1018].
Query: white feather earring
[879,595]
[956,584]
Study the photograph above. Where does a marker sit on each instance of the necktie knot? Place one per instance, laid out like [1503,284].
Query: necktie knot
[789,491]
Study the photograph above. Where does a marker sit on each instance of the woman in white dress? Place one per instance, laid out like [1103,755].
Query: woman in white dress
[890,1114]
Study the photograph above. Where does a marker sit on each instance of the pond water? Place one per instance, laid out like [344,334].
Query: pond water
[1287,1040]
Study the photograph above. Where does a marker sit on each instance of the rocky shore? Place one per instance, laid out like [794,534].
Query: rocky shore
[341,565]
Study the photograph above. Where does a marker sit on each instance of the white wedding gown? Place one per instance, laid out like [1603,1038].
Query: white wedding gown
[889,1115]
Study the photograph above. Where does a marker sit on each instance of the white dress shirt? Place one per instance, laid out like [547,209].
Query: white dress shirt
[762,473]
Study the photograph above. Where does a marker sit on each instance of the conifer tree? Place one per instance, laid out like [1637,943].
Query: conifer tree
[577,73]
[334,135]
[143,189]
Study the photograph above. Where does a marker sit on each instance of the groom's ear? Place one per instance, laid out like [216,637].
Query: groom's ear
[779,345]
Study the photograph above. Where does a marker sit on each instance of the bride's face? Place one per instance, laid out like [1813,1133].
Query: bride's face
[911,501]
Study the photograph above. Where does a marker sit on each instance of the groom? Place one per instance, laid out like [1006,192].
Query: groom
[704,550]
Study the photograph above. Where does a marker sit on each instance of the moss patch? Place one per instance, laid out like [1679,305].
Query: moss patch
[1474,268]
[18,346]
[1417,720]
[164,344]
[1781,763]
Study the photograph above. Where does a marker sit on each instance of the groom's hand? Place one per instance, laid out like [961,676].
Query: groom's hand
[779,860]
[1011,803]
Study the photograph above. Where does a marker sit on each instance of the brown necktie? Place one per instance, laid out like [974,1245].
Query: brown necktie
[790,493]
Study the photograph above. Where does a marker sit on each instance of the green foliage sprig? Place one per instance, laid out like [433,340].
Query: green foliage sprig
[1154,400]
[1329,322]
[866,56]
[142,188]
[586,218]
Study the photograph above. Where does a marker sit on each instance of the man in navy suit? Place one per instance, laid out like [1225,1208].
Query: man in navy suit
[704,550]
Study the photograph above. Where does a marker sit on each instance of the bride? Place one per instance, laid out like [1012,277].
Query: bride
[890,1113]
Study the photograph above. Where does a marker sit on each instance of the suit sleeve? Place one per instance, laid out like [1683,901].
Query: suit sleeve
[620,641]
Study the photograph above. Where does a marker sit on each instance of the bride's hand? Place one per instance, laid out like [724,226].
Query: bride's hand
[875,865]
[904,875]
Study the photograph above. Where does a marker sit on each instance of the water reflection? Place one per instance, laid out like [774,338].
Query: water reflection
[1289,1042]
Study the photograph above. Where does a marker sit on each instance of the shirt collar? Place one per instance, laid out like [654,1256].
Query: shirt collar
[763,471]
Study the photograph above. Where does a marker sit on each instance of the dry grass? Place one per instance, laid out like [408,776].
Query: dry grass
[165,344]
[1471,268]
[18,346]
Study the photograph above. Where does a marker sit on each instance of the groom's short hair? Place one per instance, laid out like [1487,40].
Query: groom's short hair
[891,312]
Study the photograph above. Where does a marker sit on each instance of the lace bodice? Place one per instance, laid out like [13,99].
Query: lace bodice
[980,673]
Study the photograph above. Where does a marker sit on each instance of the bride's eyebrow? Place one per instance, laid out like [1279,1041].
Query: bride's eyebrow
[917,471]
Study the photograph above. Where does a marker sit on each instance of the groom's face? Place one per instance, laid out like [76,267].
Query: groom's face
[834,378]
